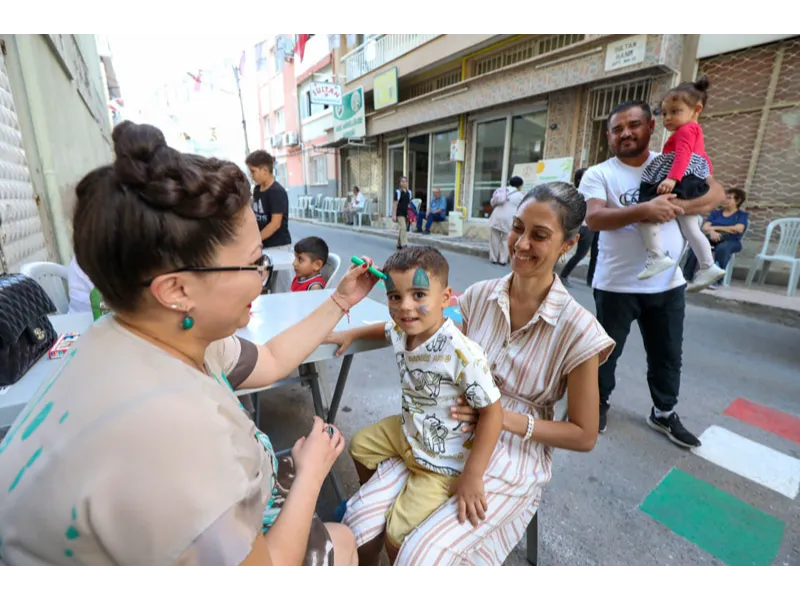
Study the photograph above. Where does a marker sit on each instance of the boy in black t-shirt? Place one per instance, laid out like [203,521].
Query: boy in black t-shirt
[271,205]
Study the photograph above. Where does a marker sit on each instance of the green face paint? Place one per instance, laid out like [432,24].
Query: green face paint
[421,280]
[389,284]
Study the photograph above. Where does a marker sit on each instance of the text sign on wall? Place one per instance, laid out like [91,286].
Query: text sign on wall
[349,119]
[624,53]
[324,92]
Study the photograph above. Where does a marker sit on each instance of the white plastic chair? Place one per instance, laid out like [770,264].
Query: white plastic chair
[366,211]
[788,242]
[331,267]
[53,279]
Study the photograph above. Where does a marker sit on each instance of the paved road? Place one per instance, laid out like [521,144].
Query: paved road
[636,498]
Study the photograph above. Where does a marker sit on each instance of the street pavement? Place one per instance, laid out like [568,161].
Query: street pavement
[635,499]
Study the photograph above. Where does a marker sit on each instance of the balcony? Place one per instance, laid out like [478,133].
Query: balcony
[378,51]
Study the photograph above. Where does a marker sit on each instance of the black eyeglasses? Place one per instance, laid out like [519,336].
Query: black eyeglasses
[263,265]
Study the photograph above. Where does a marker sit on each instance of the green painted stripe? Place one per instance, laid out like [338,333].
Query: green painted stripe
[722,525]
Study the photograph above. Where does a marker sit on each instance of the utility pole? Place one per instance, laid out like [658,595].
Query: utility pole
[241,107]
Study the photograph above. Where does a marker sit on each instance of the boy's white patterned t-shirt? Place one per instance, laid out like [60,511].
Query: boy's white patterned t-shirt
[433,376]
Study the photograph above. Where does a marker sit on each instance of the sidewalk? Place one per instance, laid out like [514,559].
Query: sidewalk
[767,302]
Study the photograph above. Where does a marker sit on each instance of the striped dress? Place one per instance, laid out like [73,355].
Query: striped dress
[530,366]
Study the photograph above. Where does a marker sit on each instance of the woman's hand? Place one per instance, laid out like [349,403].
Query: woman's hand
[343,339]
[356,284]
[714,236]
[464,413]
[315,453]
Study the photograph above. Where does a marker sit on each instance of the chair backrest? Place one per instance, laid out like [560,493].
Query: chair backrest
[331,267]
[53,279]
[789,236]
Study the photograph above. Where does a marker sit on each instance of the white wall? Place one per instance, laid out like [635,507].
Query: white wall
[712,44]
[58,90]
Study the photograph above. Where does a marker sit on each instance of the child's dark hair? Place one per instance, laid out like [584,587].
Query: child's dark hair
[315,247]
[691,92]
[576,179]
[426,258]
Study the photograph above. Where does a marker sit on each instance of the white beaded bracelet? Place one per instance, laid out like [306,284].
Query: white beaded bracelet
[529,430]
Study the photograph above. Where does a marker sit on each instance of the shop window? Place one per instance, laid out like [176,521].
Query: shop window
[501,145]
[444,169]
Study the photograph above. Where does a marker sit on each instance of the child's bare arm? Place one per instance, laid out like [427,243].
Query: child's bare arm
[343,339]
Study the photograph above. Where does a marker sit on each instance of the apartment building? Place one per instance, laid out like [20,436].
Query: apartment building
[465,112]
[293,128]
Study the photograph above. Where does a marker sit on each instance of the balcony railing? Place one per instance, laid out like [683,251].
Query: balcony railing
[376,52]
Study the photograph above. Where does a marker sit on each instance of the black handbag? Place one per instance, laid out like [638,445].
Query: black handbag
[26,334]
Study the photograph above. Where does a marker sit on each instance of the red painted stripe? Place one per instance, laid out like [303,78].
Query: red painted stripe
[775,421]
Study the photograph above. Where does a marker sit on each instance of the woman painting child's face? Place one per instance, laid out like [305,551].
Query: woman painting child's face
[677,112]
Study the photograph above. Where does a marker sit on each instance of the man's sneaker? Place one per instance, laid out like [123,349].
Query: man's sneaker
[705,278]
[655,265]
[672,427]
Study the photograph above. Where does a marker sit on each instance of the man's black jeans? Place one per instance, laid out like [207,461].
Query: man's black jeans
[660,317]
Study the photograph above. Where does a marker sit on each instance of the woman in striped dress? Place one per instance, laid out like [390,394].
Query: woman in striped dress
[541,343]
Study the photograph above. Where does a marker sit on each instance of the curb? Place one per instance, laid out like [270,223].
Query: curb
[771,314]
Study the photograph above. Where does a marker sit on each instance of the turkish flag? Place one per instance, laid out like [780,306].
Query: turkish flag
[302,38]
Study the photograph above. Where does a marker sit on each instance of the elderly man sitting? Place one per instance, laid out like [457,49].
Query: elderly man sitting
[356,205]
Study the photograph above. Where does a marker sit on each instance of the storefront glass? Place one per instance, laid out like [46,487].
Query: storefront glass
[444,170]
[500,145]
[490,137]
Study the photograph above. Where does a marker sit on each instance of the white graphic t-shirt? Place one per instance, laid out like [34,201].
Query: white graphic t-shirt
[621,253]
[433,376]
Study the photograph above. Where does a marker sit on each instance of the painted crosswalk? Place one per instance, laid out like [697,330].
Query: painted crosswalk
[719,523]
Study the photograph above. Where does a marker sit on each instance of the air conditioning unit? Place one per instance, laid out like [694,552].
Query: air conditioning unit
[290,138]
[276,141]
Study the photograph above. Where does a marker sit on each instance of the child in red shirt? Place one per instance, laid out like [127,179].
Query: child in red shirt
[681,169]
[310,255]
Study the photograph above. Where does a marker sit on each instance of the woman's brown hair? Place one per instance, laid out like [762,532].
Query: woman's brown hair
[153,210]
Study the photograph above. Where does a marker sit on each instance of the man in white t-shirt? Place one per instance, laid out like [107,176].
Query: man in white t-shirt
[356,205]
[658,303]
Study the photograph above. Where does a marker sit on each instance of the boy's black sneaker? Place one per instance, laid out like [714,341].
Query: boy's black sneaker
[672,427]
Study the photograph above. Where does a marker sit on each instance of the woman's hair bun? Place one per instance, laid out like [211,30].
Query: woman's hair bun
[137,147]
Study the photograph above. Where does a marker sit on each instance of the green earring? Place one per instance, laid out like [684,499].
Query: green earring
[188,322]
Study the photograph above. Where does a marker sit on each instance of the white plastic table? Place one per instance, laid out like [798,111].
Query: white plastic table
[13,398]
[275,313]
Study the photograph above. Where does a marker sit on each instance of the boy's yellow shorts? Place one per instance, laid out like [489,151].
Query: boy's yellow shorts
[424,491]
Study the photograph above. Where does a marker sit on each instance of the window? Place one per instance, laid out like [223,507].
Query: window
[500,145]
[319,170]
[265,125]
[261,58]
[279,172]
[444,169]
[280,125]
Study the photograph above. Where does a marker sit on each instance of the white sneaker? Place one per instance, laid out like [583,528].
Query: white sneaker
[656,265]
[705,278]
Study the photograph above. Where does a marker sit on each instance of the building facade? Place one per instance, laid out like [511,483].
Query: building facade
[463,113]
[293,129]
[54,128]
[752,121]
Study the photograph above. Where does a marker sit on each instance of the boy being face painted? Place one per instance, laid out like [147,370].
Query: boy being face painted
[417,296]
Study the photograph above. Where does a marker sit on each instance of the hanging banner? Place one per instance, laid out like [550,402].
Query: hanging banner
[325,92]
